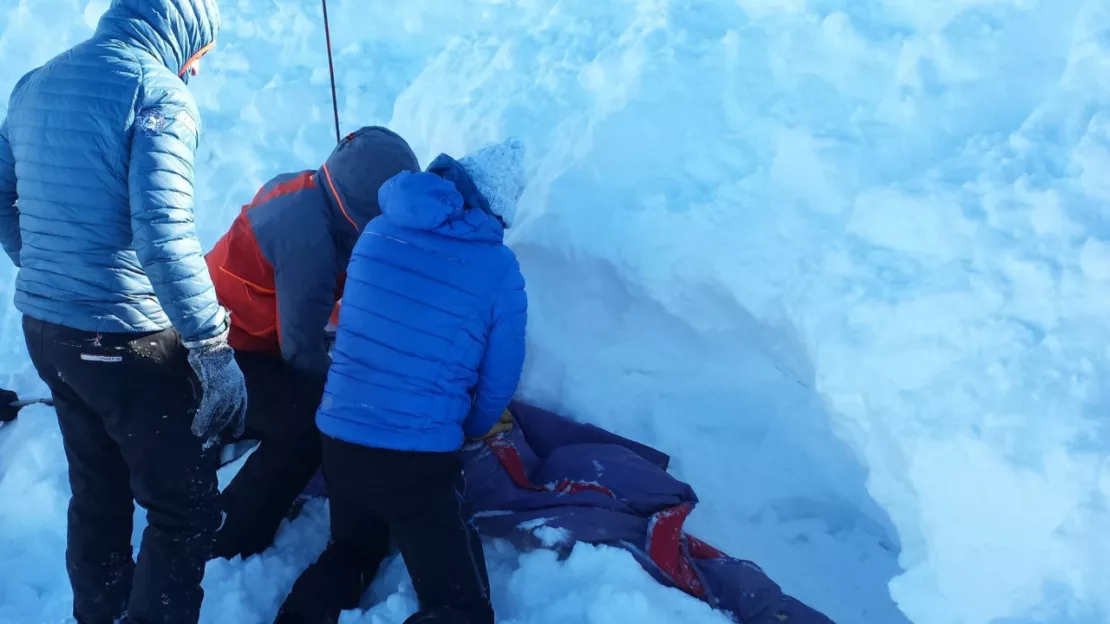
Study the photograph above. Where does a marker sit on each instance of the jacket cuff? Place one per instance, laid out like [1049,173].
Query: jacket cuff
[313,363]
[224,328]
[478,424]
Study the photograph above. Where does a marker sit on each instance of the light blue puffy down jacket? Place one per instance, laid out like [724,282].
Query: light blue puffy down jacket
[96,177]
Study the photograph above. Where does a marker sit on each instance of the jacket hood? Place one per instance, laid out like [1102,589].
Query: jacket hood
[175,31]
[443,200]
[354,173]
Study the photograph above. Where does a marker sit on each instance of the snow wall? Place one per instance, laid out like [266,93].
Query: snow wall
[846,260]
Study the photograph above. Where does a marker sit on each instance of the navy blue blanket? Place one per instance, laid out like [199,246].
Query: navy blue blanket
[553,482]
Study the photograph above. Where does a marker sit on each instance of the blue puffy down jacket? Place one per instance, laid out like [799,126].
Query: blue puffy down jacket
[96,177]
[430,344]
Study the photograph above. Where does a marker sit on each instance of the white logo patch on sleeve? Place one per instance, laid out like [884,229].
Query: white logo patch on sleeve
[151,121]
[154,121]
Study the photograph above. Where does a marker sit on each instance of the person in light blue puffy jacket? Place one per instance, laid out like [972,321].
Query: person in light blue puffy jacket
[119,312]
[429,351]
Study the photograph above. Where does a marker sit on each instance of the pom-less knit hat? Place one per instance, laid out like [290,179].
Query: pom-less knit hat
[498,172]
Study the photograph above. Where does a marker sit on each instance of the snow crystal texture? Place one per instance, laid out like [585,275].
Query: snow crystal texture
[846,260]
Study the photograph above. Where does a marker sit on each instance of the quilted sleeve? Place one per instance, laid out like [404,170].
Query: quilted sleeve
[305,278]
[9,213]
[503,361]
[161,190]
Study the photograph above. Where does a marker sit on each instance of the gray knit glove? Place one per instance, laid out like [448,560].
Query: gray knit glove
[223,403]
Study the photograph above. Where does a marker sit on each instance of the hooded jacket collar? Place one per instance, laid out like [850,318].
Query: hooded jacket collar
[444,200]
[177,32]
[353,174]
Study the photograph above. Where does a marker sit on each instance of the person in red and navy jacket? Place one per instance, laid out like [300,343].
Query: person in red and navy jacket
[280,272]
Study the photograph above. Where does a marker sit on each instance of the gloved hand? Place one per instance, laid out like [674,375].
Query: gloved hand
[503,425]
[8,412]
[223,403]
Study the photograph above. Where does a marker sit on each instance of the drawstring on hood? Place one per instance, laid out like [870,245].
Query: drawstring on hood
[178,32]
[353,174]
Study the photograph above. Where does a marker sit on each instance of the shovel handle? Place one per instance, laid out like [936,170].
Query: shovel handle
[20,404]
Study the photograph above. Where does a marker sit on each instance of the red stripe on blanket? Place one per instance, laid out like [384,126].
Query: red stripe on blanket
[700,550]
[510,459]
[665,536]
[664,546]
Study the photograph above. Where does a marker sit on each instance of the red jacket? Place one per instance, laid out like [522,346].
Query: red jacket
[280,269]
[244,278]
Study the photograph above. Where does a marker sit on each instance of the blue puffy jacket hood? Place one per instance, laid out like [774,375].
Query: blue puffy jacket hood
[444,200]
[175,31]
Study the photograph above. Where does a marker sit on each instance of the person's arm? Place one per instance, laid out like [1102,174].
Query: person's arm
[306,282]
[503,361]
[164,235]
[10,236]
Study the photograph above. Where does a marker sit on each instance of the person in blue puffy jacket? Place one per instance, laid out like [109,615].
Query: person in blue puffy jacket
[119,312]
[429,351]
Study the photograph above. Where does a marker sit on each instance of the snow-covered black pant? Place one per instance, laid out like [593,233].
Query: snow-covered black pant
[125,403]
[415,498]
[281,414]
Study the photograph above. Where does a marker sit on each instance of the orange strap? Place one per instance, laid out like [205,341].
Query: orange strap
[240,278]
[342,208]
[193,58]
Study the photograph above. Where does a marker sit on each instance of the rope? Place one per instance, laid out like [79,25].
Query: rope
[331,70]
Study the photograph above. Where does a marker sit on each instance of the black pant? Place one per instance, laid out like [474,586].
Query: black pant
[281,414]
[414,497]
[125,403]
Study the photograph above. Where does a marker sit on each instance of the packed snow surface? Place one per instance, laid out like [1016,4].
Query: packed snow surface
[846,260]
